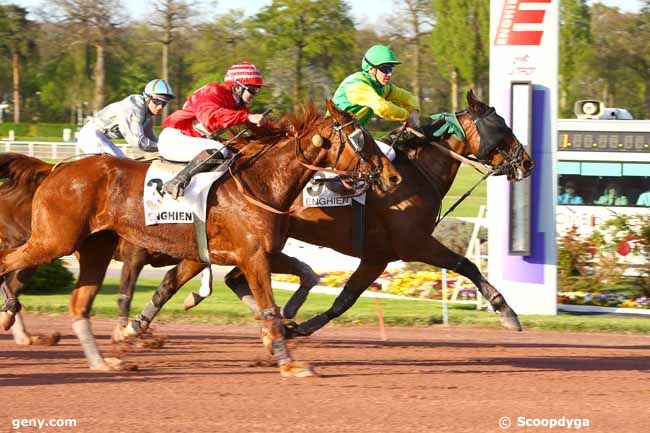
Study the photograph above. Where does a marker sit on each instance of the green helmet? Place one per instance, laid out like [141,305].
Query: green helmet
[378,55]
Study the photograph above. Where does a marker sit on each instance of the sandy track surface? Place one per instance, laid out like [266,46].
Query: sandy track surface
[211,379]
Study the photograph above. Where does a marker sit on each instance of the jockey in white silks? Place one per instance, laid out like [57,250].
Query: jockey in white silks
[131,119]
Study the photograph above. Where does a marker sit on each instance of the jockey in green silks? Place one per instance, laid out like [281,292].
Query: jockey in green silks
[370,91]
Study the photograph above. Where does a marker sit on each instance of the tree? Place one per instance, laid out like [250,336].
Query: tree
[416,21]
[14,38]
[93,22]
[575,48]
[168,17]
[460,41]
[315,33]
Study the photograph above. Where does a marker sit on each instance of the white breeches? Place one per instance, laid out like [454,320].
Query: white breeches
[91,140]
[386,149]
[173,145]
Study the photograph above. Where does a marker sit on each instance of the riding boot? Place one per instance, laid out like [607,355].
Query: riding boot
[204,161]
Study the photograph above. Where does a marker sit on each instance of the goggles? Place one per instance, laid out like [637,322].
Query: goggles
[387,68]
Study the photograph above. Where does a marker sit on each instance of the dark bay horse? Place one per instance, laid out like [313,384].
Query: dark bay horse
[399,226]
[85,205]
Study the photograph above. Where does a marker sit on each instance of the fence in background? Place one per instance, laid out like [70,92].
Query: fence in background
[54,150]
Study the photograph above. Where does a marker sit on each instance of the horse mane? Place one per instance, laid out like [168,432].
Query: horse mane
[304,119]
[22,172]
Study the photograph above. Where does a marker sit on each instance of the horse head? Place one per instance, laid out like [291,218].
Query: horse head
[492,141]
[358,148]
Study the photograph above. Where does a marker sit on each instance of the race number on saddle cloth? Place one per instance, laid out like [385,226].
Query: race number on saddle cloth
[163,209]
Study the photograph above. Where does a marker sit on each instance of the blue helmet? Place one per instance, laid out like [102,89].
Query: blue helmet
[159,89]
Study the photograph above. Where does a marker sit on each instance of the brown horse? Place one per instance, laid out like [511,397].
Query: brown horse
[23,174]
[87,204]
[399,226]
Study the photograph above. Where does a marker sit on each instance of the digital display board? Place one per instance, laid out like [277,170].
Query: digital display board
[604,141]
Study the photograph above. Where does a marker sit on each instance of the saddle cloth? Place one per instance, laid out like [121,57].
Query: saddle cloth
[160,208]
[328,194]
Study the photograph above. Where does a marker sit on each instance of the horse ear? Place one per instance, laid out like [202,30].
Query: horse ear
[474,103]
[334,111]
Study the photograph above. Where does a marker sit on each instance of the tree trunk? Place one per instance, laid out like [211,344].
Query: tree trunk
[453,80]
[298,74]
[165,68]
[100,78]
[15,60]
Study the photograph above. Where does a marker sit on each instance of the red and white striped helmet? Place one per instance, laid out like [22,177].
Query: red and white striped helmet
[244,73]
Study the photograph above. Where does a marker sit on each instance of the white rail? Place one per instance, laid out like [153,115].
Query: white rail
[56,150]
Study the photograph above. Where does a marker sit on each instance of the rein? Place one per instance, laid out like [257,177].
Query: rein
[355,175]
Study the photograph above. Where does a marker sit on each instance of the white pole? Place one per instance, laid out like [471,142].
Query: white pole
[445,305]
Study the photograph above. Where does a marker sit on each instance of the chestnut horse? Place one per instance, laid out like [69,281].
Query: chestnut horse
[399,226]
[85,205]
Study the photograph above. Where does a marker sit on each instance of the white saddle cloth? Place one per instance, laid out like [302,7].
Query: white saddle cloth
[160,208]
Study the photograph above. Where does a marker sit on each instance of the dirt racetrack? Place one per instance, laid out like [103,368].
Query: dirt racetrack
[433,379]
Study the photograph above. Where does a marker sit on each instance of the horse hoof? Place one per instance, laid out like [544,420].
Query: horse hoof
[45,340]
[7,319]
[192,300]
[510,321]
[129,331]
[297,369]
[119,334]
[115,364]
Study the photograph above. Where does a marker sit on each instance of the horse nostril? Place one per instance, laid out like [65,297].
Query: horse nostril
[395,180]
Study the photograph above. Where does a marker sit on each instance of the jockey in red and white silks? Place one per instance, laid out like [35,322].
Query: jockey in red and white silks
[209,111]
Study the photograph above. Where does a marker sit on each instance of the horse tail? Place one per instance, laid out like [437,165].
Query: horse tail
[20,172]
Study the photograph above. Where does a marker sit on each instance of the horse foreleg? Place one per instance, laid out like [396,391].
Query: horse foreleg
[257,271]
[172,281]
[435,253]
[359,281]
[131,269]
[94,255]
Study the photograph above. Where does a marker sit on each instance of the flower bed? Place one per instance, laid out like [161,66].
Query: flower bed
[420,284]
[603,299]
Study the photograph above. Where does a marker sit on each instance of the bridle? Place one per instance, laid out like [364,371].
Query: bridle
[358,181]
[492,130]
[362,175]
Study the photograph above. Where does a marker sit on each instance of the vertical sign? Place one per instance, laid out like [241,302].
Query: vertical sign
[519,234]
[523,88]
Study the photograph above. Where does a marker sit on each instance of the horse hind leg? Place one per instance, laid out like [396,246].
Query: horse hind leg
[31,254]
[360,280]
[17,280]
[236,281]
[280,264]
[172,281]
[193,298]
[283,264]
